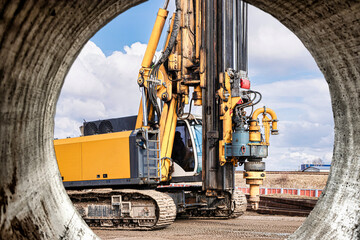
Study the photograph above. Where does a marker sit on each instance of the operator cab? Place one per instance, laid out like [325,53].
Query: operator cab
[187,148]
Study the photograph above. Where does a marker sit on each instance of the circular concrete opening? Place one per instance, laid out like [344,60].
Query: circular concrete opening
[328,30]
[40,40]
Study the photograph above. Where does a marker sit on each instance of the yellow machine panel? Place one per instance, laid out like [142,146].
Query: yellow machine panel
[95,157]
[68,156]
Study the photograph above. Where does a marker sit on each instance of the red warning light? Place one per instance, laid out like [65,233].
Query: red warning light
[245,83]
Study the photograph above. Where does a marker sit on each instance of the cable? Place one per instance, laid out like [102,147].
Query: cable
[260,96]
[174,80]
[252,102]
[163,58]
[252,110]
[189,113]
[153,98]
[166,3]
[172,39]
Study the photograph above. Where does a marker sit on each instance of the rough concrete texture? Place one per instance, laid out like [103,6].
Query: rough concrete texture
[40,39]
[330,30]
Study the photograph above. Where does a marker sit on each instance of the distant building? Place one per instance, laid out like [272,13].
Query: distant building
[315,167]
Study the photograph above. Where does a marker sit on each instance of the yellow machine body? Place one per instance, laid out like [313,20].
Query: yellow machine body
[95,157]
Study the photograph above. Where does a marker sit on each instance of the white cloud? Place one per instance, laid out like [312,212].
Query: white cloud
[286,158]
[305,100]
[66,127]
[273,48]
[81,108]
[98,87]
[303,133]
[305,124]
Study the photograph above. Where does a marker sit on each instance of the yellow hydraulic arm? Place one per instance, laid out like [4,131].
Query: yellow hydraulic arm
[163,83]
[144,72]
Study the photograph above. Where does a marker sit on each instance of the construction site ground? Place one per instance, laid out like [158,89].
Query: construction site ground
[249,226]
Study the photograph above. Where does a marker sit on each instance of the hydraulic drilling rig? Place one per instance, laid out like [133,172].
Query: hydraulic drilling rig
[205,54]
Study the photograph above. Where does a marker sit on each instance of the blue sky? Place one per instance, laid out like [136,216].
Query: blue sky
[134,25]
[102,83]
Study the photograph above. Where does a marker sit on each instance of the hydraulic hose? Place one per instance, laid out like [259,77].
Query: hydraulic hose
[166,3]
[165,54]
[173,37]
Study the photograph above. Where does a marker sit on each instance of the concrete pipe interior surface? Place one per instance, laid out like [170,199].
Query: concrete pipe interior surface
[39,40]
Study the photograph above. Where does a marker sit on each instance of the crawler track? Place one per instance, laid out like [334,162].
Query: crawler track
[240,202]
[137,210]
[224,208]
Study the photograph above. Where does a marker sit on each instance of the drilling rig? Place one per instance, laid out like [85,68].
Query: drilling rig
[118,173]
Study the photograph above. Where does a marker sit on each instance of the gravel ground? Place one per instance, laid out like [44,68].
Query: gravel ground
[249,226]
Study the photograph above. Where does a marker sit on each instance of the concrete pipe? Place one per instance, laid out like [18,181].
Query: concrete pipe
[330,30]
[40,39]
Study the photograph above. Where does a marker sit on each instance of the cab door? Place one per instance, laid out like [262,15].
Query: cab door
[185,152]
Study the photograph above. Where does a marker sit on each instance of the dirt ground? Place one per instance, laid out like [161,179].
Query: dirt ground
[249,226]
[289,180]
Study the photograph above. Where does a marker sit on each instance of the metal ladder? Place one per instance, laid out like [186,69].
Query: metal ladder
[152,164]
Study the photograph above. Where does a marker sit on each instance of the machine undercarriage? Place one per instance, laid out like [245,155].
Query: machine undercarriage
[124,209]
[132,209]
[192,202]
